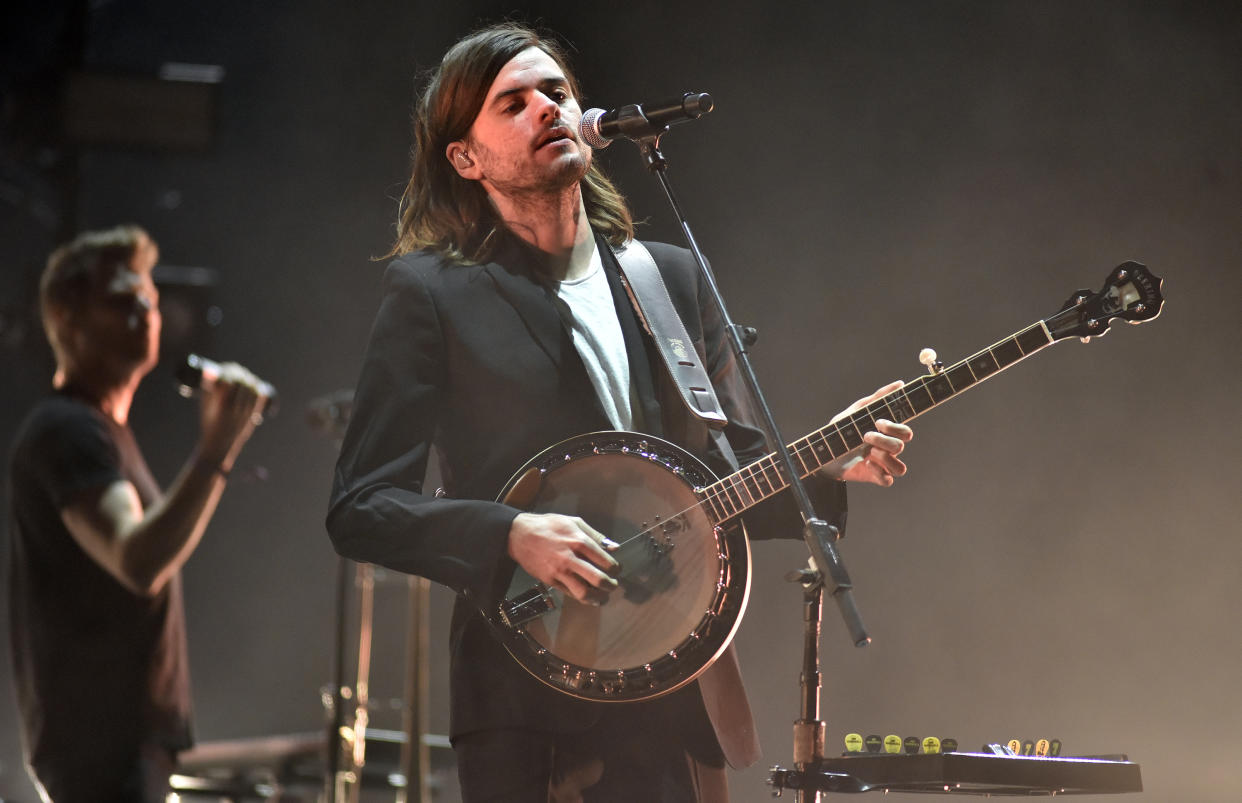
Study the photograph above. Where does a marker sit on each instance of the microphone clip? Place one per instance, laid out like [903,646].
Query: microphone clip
[633,124]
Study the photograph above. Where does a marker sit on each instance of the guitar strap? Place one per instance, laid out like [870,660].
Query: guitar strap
[720,682]
[720,685]
[645,287]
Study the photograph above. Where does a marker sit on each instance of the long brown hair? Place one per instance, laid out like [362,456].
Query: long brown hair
[446,213]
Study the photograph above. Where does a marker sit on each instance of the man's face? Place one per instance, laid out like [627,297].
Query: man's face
[525,139]
[120,326]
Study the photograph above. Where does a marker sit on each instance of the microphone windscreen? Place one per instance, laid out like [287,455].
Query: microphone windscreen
[588,129]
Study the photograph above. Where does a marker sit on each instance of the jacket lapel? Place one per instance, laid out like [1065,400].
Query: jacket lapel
[521,287]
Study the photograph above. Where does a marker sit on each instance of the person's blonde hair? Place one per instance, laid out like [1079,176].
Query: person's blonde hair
[80,270]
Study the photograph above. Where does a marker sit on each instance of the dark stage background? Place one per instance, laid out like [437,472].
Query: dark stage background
[1062,560]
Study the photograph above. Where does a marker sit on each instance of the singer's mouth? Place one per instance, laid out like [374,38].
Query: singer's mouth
[557,134]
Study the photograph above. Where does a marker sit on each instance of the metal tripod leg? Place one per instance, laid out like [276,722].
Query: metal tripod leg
[416,753]
[347,743]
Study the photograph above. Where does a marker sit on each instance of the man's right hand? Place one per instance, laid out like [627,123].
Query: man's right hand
[143,548]
[230,410]
[564,552]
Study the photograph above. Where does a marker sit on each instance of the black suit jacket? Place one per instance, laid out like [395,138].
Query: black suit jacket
[475,363]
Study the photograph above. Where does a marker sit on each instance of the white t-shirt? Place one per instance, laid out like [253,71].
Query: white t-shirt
[598,339]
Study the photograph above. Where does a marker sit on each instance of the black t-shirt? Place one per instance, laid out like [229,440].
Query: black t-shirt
[99,670]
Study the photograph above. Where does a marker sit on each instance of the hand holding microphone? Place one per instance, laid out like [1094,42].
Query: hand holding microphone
[197,373]
[234,401]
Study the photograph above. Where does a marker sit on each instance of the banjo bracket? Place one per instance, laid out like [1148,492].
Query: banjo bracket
[527,606]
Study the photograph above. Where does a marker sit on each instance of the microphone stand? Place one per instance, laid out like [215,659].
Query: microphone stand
[828,571]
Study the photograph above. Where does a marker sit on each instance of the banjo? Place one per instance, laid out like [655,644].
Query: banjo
[683,552]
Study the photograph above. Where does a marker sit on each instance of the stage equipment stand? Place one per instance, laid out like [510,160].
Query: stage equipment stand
[415,716]
[827,570]
[346,742]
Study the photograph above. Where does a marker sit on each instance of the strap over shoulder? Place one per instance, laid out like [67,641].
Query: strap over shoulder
[659,317]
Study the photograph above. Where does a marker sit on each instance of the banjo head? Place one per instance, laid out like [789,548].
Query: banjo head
[683,580]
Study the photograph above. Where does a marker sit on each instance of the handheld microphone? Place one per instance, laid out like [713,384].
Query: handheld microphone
[197,371]
[599,128]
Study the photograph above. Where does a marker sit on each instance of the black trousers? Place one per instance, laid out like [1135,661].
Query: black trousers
[142,777]
[660,751]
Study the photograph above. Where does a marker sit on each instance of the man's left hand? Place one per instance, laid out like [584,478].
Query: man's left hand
[876,460]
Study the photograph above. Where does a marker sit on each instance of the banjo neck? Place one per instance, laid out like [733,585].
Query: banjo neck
[1130,293]
[738,492]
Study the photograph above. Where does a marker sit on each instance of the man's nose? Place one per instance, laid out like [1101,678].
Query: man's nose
[548,108]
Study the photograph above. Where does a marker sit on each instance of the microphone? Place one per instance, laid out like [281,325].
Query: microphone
[599,128]
[197,371]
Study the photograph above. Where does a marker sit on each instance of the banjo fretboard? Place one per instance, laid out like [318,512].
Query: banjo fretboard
[763,478]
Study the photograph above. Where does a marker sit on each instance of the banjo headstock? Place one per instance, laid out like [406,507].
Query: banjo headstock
[1131,293]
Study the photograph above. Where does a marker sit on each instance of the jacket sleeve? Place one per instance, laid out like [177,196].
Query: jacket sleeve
[379,512]
[778,516]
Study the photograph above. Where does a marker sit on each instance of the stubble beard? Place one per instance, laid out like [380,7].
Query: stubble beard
[528,183]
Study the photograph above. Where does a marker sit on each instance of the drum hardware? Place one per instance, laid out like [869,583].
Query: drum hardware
[292,767]
[347,741]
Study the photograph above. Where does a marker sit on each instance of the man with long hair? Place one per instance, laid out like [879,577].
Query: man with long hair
[97,625]
[505,328]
